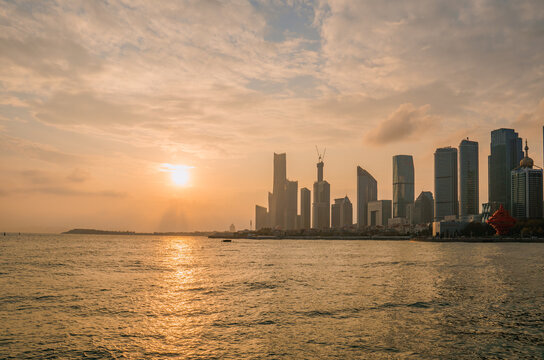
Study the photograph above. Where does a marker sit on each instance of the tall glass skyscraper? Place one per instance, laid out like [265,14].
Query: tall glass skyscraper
[506,154]
[445,183]
[367,190]
[468,178]
[403,184]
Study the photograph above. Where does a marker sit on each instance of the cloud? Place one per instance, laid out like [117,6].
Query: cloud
[85,108]
[78,175]
[48,56]
[198,77]
[37,177]
[42,177]
[63,191]
[47,153]
[403,124]
[531,119]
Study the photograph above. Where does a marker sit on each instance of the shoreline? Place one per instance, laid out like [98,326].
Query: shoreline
[385,238]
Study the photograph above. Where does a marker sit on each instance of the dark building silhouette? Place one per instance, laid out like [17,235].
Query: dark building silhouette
[282,201]
[278,198]
[506,153]
[469,200]
[261,218]
[367,190]
[526,189]
[321,214]
[403,184]
[305,208]
[341,213]
[291,191]
[424,208]
[445,183]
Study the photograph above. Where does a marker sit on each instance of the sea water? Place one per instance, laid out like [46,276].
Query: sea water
[83,296]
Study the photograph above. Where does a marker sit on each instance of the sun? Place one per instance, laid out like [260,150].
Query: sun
[180,177]
[179,174]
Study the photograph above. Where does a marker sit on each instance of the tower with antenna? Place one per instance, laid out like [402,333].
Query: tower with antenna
[526,189]
[321,214]
[320,163]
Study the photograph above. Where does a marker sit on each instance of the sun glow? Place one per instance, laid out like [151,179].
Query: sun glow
[179,173]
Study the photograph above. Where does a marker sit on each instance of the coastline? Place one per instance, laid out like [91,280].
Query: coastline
[384,238]
[248,236]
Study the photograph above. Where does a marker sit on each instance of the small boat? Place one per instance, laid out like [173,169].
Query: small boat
[226,240]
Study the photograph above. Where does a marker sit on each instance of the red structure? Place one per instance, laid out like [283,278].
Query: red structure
[501,221]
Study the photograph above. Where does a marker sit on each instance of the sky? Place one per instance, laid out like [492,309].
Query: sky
[101,101]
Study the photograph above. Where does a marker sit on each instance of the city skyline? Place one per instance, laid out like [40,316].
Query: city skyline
[456,190]
[460,164]
[158,117]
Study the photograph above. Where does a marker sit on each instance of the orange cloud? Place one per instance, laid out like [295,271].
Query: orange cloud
[403,124]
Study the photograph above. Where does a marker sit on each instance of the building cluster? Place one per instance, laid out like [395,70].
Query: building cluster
[514,182]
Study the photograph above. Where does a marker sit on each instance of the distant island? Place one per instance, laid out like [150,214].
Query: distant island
[112,232]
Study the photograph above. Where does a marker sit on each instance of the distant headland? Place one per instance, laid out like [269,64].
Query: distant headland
[127,232]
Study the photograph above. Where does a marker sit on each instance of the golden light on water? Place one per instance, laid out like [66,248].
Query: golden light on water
[179,174]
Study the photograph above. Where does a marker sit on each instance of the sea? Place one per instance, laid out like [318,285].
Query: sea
[158,297]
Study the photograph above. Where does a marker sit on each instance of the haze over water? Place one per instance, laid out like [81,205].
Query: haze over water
[75,296]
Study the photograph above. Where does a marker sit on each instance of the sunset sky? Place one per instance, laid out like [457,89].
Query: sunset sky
[102,101]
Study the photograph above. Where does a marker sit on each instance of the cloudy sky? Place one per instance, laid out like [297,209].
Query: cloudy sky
[101,99]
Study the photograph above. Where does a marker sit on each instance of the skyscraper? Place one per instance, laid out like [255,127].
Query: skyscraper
[321,213]
[277,200]
[424,208]
[305,208]
[506,153]
[291,191]
[468,178]
[282,201]
[526,189]
[341,213]
[367,190]
[403,184]
[445,183]
[261,217]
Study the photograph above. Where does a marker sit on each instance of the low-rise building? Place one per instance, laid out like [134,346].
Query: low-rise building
[379,212]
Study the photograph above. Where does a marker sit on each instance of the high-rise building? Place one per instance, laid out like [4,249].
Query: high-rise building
[341,213]
[445,183]
[321,212]
[271,210]
[526,189]
[261,218]
[506,153]
[379,212]
[469,201]
[278,202]
[367,190]
[305,208]
[403,184]
[424,208]
[282,201]
[291,191]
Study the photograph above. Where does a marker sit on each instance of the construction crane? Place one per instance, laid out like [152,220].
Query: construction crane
[320,156]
